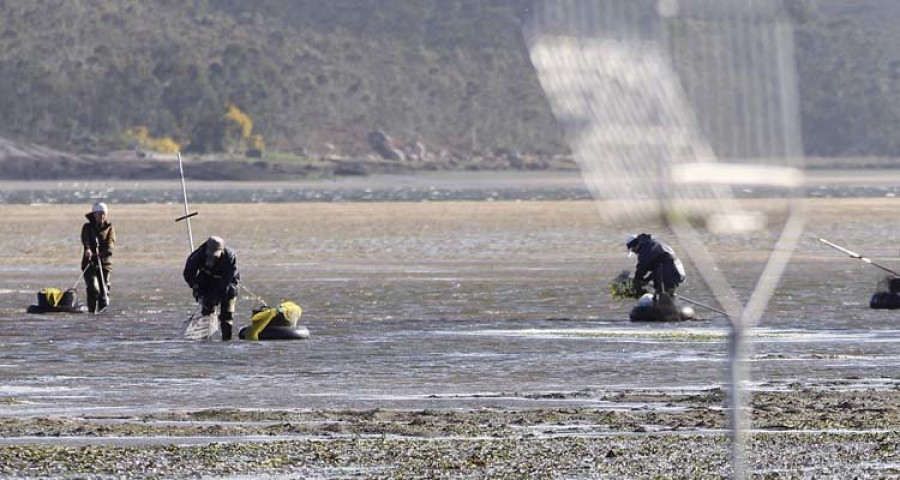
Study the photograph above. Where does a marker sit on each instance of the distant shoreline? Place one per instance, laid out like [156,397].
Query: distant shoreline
[408,187]
[479,179]
[64,167]
[430,186]
[55,167]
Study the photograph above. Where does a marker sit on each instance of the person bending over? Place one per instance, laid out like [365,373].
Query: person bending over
[656,262]
[212,273]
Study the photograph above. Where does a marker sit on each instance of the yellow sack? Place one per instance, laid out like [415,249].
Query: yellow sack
[51,296]
[290,311]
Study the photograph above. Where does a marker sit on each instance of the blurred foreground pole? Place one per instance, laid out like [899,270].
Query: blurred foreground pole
[670,107]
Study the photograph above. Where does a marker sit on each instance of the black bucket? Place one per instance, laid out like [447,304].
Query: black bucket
[44,301]
[69,299]
[885,301]
[893,284]
[663,309]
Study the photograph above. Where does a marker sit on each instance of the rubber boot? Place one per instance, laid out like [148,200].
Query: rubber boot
[225,323]
[91,294]
[103,302]
[91,301]
[666,309]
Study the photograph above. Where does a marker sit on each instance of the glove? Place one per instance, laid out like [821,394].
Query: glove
[195,291]
[231,291]
[637,288]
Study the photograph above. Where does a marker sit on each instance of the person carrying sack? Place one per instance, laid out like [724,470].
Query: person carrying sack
[211,272]
[97,240]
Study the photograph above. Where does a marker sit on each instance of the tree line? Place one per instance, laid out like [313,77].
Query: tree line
[310,75]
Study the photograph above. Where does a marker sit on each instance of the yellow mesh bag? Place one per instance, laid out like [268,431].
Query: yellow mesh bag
[51,296]
[290,310]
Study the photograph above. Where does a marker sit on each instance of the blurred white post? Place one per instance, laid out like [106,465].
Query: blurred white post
[673,108]
[187,215]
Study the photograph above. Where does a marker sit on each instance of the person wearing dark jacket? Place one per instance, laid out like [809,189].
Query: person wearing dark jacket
[212,273]
[97,240]
[656,261]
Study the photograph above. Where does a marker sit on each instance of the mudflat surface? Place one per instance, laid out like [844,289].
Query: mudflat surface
[448,340]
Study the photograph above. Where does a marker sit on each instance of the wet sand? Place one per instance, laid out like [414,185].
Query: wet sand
[804,427]
[43,233]
[798,433]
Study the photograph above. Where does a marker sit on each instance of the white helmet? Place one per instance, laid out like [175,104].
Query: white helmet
[99,207]
[630,243]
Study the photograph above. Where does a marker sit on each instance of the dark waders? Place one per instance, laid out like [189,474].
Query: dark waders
[96,280]
[226,313]
[665,305]
[664,299]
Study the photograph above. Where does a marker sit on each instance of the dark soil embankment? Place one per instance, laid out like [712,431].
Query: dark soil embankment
[68,167]
[19,161]
[23,161]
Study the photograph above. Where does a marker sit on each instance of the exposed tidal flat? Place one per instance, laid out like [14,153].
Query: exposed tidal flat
[451,339]
[800,433]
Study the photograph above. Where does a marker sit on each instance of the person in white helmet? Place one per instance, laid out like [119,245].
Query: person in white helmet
[98,238]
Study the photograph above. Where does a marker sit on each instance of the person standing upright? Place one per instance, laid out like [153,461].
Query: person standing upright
[98,238]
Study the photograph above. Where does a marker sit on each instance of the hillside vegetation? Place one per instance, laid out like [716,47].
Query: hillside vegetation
[316,76]
[307,72]
[849,67]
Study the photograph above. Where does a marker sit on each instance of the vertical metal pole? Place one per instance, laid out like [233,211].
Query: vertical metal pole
[186,211]
[738,417]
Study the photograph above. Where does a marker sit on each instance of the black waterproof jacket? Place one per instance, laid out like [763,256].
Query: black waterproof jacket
[658,262]
[215,283]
